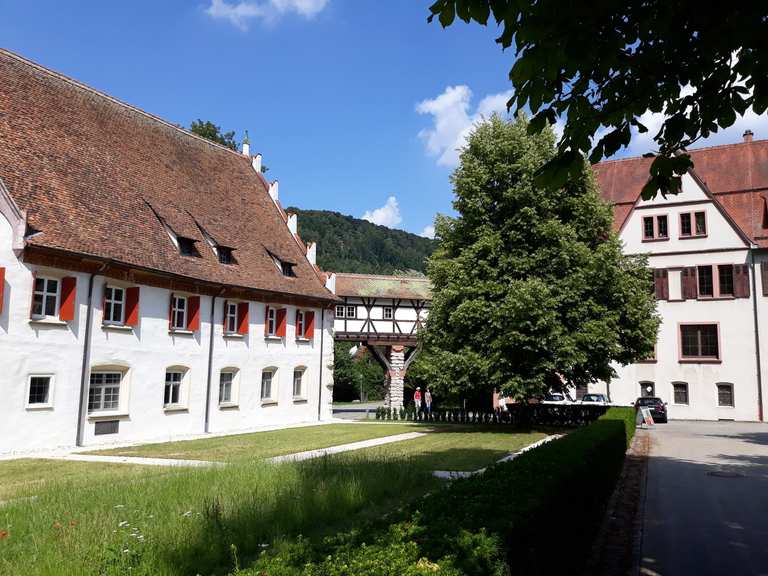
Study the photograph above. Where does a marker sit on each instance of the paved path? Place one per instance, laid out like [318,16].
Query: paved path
[706,508]
[309,454]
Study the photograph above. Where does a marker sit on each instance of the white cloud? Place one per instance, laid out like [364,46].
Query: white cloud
[453,120]
[428,232]
[240,13]
[387,215]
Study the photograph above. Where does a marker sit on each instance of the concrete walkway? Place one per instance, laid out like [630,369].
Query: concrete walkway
[706,506]
[296,457]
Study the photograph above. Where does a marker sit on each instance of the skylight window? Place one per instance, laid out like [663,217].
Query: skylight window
[285,268]
[187,246]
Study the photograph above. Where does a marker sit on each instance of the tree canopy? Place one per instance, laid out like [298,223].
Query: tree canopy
[347,244]
[531,288]
[601,66]
[214,133]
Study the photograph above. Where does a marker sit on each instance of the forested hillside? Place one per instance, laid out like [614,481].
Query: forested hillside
[347,244]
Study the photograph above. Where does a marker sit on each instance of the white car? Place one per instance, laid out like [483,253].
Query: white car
[556,398]
[595,400]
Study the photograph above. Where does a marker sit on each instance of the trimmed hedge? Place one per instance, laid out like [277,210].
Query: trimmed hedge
[537,514]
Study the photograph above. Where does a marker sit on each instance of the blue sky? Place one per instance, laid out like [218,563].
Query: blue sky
[351,102]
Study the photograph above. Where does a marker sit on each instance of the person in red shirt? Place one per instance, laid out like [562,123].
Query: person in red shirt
[417,398]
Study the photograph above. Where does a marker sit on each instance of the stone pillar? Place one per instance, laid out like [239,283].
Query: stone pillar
[395,377]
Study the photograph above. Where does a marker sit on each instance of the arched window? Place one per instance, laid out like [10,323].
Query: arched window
[269,385]
[107,388]
[176,388]
[228,387]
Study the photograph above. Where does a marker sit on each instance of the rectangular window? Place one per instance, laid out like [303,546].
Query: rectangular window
[685,224]
[179,313]
[300,324]
[104,391]
[662,230]
[680,390]
[45,299]
[701,223]
[298,377]
[351,311]
[706,281]
[388,313]
[699,341]
[225,387]
[172,396]
[339,311]
[655,227]
[725,280]
[648,228]
[266,384]
[114,305]
[187,246]
[725,395]
[230,326]
[271,321]
[225,255]
[39,391]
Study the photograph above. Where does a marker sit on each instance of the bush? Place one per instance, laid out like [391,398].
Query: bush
[509,518]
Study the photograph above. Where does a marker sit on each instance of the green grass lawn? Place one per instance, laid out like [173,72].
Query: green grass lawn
[457,448]
[260,445]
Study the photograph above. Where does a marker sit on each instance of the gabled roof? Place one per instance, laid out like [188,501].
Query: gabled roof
[735,174]
[96,177]
[375,286]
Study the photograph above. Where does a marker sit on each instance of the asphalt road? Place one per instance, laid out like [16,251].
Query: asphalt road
[706,507]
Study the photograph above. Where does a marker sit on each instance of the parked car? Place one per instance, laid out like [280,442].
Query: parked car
[657,405]
[556,398]
[595,400]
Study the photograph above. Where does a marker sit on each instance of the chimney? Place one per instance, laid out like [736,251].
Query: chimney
[312,253]
[293,223]
[256,163]
[273,191]
[246,145]
[330,283]
[748,135]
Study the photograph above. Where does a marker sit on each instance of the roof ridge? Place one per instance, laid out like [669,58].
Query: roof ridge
[692,150]
[382,276]
[95,91]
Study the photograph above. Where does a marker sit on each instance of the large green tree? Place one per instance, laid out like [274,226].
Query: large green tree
[530,284]
[600,66]
[350,374]
[214,133]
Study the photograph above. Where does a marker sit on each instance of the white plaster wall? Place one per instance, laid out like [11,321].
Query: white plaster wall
[144,353]
[405,316]
[762,315]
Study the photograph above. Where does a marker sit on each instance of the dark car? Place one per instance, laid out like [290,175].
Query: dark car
[657,405]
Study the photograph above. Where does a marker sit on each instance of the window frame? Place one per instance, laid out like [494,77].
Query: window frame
[271,331]
[102,408]
[109,304]
[300,371]
[341,307]
[687,393]
[699,359]
[391,311]
[181,396]
[229,316]
[233,388]
[48,404]
[301,321]
[655,218]
[716,290]
[270,398]
[353,309]
[46,295]
[694,225]
[175,310]
[732,388]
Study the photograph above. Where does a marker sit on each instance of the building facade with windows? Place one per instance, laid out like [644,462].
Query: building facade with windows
[151,285]
[707,250]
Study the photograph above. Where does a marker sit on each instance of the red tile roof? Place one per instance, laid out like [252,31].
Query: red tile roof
[736,174]
[96,175]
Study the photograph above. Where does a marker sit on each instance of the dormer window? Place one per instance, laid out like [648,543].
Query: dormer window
[225,254]
[285,268]
[187,246]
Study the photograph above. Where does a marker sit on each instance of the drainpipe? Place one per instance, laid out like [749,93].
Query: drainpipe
[86,354]
[320,393]
[757,338]
[210,364]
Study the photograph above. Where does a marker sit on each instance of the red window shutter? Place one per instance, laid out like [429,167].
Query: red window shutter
[170,312]
[224,320]
[741,281]
[242,317]
[661,284]
[764,277]
[689,286]
[193,316]
[266,320]
[2,288]
[309,325]
[132,306]
[281,322]
[67,299]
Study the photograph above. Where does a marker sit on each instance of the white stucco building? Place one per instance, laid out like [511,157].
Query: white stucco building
[151,285]
[708,248]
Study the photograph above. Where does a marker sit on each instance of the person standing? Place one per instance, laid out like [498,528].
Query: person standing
[428,401]
[417,399]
